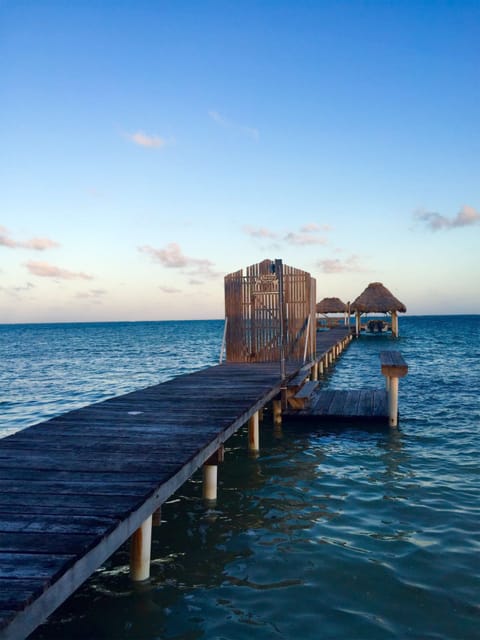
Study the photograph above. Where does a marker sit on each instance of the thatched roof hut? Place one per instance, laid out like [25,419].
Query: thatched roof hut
[377,299]
[331,305]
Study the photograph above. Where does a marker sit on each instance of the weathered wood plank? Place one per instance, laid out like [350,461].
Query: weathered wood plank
[393,364]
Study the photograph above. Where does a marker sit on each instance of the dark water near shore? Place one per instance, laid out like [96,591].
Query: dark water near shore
[351,533]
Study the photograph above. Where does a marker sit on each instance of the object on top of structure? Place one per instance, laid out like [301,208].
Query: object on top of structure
[270,314]
[377,299]
[331,305]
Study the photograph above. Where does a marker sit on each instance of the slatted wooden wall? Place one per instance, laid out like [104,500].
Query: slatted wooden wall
[252,310]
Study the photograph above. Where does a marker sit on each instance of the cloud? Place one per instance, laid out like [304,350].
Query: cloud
[169,290]
[335,265]
[308,234]
[37,244]
[224,122]
[312,227]
[45,270]
[92,293]
[219,119]
[16,292]
[434,221]
[172,257]
[259,232]
[144,140]
[302,239]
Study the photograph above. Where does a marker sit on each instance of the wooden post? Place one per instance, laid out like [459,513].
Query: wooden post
[395,331]
[320,367]
[140,552]
[393,402]
[357,323]
[314,375]
[210,473]
[157,517]
[253,433]
[277,412]
[393,367]
[210,482]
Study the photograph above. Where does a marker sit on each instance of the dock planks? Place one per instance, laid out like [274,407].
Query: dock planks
[333,405]
[76,487]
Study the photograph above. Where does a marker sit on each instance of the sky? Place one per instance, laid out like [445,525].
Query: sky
[151,147]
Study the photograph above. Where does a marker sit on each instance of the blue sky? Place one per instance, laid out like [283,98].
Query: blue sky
[149,148]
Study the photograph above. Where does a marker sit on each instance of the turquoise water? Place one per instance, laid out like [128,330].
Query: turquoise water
[329,533]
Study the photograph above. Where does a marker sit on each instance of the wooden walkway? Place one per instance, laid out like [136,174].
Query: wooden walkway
[74,488]
[363,405]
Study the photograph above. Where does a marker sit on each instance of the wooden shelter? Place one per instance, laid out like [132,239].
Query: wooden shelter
[328,306]
[270,314]
[377,299]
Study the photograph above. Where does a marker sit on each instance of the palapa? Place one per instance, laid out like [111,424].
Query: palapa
[377,299]
[331,305]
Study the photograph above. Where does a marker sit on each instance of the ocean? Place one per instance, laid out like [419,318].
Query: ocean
[329,533]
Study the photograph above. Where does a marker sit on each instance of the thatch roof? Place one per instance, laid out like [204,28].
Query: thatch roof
[331,305]
[377,299]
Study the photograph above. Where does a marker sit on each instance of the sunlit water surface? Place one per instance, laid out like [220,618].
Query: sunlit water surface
[329,533]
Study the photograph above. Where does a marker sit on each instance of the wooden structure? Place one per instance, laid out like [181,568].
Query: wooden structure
[76,487]
[368,406]
[332,305]
[377,299]
[270,314]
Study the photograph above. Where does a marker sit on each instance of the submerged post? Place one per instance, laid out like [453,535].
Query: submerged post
[210,474]
[140,551]
[393,367]
[253,433]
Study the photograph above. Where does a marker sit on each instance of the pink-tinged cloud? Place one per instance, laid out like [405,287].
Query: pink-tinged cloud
[259,232]
[302,239]
[45,270]
[467,216]
[144,140]
[335,265]
[37,244]
[172,257]
[313,227]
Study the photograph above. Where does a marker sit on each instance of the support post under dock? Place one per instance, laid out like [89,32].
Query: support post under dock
[393,367]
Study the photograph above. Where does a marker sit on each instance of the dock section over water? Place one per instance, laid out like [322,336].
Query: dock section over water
[74,488]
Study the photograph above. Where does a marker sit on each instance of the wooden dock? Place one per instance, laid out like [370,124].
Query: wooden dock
[76,487]
[335,405]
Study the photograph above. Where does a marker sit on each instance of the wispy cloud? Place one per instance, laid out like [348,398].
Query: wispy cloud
[37,244]
[94,294]
[143,139]
[17,292]
[219,119]
[259,232]
[226,123]
[308,235]
[434,221]
[45,270]
[302,239]
[335,265]
[172,257]
[312,227]
[169,290]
